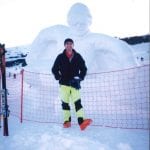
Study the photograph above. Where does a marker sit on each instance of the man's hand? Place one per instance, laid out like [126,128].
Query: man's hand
[75,83]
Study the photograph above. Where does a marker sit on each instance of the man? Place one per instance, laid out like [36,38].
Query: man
[69,68]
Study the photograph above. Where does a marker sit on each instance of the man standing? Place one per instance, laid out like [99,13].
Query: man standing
[69,68]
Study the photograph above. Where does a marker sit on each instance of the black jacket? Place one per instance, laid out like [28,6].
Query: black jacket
[65,70]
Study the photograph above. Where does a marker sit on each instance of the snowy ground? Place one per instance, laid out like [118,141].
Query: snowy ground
[142,51]
[36,136]
[40,136]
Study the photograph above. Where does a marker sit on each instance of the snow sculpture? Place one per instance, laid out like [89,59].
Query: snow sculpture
[101,52]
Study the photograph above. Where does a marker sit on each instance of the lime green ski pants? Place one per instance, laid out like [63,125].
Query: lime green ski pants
[69,94]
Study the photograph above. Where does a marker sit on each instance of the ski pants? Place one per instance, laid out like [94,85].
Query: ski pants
[69,94]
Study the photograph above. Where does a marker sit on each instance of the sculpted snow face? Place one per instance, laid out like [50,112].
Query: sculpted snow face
[79,19]
[101,52]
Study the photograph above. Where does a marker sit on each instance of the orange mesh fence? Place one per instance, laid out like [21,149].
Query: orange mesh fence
[14,93]
[118,99]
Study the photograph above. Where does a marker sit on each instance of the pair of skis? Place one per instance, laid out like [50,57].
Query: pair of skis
[4,112]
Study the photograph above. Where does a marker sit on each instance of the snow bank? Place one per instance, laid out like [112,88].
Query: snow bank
[29,136]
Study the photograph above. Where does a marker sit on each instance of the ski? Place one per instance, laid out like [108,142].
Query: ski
[0,103]
[3,92]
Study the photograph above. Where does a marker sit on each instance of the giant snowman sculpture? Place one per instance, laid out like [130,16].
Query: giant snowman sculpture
[101,52]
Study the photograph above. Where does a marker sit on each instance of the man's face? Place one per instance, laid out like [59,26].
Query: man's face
[69,46]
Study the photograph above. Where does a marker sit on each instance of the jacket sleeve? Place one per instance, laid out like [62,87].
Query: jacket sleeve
[83,68]
[55,68]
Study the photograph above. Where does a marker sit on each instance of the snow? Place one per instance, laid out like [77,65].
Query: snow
[29,136]
[142,51]
[41,136]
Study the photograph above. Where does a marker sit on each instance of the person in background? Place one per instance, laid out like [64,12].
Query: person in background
[70,69]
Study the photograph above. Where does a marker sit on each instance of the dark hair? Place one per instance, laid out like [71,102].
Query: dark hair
[68,40]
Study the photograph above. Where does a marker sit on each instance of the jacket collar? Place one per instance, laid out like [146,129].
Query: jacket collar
[69,56]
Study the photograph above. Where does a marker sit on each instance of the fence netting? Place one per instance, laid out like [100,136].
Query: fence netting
[118,99]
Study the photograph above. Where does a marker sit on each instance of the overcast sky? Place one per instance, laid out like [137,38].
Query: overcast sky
[21,20]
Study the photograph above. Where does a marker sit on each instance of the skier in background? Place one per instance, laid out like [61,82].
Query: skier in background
[69,68]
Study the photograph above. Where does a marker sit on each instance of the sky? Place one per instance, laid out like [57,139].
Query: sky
[22,20]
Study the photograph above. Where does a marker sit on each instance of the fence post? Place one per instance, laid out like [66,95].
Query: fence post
[21,103]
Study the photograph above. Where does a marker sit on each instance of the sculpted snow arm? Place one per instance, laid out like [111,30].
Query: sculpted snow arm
[117,51]
[46,41]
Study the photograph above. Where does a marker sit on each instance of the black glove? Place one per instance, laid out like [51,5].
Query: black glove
[75,83]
